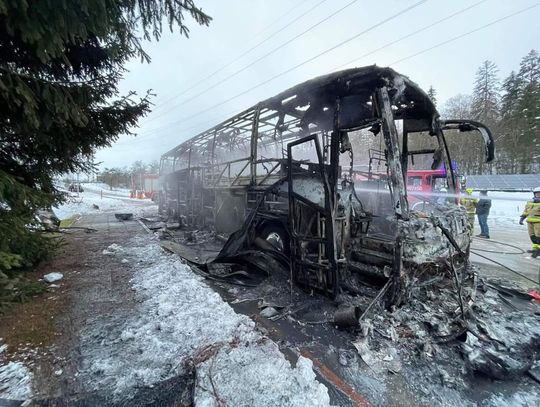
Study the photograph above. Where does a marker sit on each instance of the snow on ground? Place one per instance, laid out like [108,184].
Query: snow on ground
[263,376]
[519,399]
[15,380]
[84,202]
[179,318]
[97,187]
[506,207]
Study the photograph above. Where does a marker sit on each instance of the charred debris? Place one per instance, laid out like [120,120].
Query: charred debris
[280,191]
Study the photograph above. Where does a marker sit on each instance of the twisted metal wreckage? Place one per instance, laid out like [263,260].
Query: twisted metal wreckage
[279,181]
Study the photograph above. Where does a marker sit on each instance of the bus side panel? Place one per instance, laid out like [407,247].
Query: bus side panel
[230,211]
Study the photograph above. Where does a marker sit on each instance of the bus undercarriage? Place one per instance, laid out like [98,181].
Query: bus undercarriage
[278,179]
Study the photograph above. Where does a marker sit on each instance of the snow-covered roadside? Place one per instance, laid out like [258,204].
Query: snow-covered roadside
[179,319]
[518,399]
[87,202]
[255,373]
[97,187]
[506,207]
[15,380]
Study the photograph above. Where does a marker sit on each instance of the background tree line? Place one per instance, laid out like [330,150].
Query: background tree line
[510,108]
[128,177]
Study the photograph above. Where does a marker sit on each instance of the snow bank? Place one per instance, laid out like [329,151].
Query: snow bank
[15,380]
[257,374]
[87,201]
[507,207]
[178,317]
[97,187]
[519,399]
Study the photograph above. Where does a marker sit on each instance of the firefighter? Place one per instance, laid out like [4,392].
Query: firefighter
[469,203]
[532,214]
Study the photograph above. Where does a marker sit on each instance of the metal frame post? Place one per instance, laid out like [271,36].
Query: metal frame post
[398,192]
[253,147]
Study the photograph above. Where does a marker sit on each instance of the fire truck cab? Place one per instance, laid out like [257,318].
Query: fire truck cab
[426,181]
[425,187]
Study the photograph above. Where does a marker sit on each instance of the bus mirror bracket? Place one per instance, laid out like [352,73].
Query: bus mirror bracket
[471,125]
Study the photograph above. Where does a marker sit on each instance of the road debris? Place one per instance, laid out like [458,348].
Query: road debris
[112,249]
[347,317]
[53,277]
[269,312]
[123,216]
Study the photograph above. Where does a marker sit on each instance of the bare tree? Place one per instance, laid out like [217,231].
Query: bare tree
[463,147]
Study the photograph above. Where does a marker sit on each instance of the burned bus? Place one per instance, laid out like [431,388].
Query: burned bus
[278,178]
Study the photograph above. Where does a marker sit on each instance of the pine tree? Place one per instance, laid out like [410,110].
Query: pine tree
[511,92]
[432,94]
[509,143]
[485,103]
[60,65]
[529,68]
[529,110]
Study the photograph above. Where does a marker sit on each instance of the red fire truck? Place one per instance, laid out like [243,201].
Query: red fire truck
[424,186]
[426,181]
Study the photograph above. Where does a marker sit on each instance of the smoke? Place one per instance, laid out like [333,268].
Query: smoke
[382,189]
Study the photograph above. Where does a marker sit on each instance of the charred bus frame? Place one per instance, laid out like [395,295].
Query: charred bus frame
[297,201]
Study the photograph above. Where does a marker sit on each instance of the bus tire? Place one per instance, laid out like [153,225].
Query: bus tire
[277,236]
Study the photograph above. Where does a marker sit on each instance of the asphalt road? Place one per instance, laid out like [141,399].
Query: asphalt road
[497,249]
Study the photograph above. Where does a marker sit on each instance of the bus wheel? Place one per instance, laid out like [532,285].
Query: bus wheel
[276,235]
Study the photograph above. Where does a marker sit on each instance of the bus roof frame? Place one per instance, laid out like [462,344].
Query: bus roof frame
[409,101]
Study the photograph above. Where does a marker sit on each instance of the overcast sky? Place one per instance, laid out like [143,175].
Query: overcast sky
[178,63]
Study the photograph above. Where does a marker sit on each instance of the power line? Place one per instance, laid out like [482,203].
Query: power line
[214,73]
[156,131]
[467,33]
[410,34]
[448,17]
[274,50]
[372,27]
[149,136]
[294,7]
[378,49]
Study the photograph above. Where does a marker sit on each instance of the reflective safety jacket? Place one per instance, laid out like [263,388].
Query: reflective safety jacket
[532,211]
[469,204]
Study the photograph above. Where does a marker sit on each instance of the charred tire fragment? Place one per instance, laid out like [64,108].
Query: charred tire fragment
[277,236]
